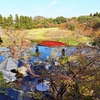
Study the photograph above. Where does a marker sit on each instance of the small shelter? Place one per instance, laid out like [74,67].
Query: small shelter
[8,64]
[8,75]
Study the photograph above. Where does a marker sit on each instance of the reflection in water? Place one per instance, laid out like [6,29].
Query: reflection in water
[54,52]
[48,52]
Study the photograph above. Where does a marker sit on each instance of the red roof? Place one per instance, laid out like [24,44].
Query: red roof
[52,43]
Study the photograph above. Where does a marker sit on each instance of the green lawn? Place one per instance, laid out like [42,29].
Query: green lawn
[39,34]
[42,34]
[67,36]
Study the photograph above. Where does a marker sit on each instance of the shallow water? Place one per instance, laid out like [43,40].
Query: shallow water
[48,51]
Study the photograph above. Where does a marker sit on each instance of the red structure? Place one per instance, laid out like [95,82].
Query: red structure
[52,43]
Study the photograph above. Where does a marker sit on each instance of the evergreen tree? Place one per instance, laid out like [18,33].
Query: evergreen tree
[4,22]
[10,21]
[60,20]
[1,20]
[30,23]
[90,14]
[17,22]
[97,14]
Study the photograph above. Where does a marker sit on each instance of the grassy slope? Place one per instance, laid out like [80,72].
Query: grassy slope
[38,34]
[67,36]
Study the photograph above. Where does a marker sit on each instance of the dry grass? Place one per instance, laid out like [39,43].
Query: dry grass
[42,34]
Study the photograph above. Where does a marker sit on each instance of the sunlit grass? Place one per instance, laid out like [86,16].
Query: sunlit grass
[38,34]
[66,36]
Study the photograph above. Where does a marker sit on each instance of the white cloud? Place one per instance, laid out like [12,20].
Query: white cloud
[52,3]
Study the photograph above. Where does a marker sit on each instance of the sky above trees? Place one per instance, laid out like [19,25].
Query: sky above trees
[49,8]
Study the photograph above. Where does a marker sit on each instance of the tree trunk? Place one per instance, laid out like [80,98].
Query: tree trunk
[60,97]
[77,94]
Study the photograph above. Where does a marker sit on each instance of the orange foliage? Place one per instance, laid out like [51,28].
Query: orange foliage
[63,25]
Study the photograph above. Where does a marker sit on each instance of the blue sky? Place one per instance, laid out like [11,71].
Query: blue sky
[49,8]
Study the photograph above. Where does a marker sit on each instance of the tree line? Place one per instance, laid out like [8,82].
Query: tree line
[26,22]
[86,25]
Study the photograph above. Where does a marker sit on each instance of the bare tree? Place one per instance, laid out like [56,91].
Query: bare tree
[16,42]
